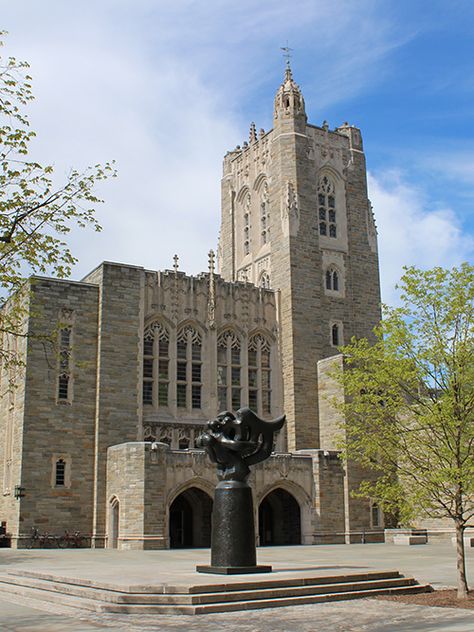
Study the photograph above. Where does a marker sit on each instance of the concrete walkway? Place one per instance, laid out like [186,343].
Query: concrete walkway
[434,563]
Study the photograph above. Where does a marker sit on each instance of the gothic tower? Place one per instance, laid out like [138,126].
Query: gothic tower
[296,218]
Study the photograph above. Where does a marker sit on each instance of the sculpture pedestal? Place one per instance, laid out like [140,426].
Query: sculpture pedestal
[233,548]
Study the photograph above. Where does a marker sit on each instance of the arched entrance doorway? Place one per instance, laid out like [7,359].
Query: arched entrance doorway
[279,519]
[190,519]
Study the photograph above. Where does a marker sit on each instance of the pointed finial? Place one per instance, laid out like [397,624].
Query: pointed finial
[252,133]
[211,301]
[287,54]
[175,263]
[212,260]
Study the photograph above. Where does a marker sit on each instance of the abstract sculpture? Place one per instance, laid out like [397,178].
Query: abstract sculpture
[234,442]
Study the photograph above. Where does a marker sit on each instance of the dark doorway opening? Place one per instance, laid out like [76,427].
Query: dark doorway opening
[190,519]
[279,519]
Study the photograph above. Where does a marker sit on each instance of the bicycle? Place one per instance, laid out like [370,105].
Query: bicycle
[70,540]
[42,540]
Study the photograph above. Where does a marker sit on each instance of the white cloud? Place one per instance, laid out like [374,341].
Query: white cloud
[412,233]
[163,87]
[457,165]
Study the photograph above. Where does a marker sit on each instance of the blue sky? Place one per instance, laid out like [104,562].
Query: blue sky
[166,88]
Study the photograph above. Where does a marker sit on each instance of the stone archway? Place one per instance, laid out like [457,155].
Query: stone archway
[279,519]
[190,519]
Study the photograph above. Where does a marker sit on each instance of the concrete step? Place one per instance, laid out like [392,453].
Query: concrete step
[113,601]
[216,586]
[98,594]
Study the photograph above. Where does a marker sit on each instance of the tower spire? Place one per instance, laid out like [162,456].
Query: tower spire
[289,102]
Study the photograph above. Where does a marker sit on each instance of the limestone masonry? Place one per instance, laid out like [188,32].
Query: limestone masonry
[99,434]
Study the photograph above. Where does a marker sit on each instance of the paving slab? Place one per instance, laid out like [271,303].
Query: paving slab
[434,563]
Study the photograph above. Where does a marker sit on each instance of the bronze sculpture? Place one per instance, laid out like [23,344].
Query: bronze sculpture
[234,442]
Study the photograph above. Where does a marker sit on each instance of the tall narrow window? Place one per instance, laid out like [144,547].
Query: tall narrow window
[156,366]
[327,207]
[64,377]
[375,515]
[60,473]
[332,280]
[188,369]
[328,280]
[264,281]
[148,361]
[228,371]
[336,334]
[259,375]
[264,216]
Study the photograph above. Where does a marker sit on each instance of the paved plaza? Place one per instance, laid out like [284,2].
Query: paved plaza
[434,563]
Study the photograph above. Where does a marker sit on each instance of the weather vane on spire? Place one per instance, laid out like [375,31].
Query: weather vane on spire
[287,53]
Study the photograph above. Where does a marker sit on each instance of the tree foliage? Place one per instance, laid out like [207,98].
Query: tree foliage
[35,213]
[409,406]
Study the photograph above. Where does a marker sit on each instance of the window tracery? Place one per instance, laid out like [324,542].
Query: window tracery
[259,374]
[156,365]
[188,368]
[264,280]
[332,279]
[327,207]
[229,367]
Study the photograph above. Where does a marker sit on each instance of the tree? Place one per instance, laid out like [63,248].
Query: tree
[409,403]
[35,213]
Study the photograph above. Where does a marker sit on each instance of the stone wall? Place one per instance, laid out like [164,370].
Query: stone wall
[118,386]
[289,160]
[12,408]
[358,519]
[175,300]
[147,477]
[55,428]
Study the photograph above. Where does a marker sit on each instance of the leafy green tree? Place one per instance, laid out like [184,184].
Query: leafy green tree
[409,403]
[35,213]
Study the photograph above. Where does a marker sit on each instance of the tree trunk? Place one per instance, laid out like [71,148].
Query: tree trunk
[461,561]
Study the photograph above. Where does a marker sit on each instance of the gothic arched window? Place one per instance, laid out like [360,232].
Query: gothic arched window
[156,366]
[188,368]
[259,375]
[229,367]
[332,279]
[264,281]
[327,207]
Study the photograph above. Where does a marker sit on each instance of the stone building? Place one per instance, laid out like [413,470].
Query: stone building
[99,431]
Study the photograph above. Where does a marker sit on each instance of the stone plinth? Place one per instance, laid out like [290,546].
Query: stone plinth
[407,540]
